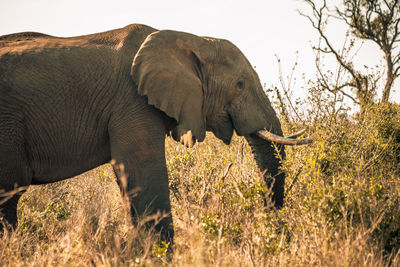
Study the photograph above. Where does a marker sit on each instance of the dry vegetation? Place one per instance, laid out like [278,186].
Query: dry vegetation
[342,206]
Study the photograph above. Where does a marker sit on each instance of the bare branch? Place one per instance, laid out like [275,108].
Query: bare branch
[397,71]
[373,20]
[319,17]
[387,4]
[340,89]
[285,88]
[337,88]
[395,33]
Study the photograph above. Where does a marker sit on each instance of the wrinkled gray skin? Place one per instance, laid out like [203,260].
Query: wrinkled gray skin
[68,105]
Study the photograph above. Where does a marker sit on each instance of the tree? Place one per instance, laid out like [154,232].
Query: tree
[369,20]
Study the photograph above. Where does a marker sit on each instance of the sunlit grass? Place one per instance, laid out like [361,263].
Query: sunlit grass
[342,208]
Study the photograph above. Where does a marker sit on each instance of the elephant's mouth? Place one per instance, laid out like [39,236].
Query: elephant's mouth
[290,140]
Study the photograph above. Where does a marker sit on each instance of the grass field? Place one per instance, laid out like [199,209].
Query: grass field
[342,206]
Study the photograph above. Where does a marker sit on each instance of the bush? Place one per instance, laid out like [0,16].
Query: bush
[341,207]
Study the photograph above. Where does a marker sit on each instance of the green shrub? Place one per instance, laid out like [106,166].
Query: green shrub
[342,206]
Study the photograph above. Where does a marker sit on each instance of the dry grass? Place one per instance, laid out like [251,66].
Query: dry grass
[342,209]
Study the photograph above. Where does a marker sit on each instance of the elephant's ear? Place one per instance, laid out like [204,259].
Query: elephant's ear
[168,70]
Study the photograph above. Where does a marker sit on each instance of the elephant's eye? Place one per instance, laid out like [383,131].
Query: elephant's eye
[240,85]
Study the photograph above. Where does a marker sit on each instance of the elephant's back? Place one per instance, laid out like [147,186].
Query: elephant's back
[21,36]
[19,44]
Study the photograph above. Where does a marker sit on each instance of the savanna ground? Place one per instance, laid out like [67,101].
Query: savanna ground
[342,206]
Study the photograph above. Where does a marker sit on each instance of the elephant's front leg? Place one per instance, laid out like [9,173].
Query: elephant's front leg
[148,192]
[140,147]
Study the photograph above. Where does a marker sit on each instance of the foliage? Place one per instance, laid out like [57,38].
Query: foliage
[342,205]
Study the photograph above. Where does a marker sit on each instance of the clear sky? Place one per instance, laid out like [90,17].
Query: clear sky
[260,28]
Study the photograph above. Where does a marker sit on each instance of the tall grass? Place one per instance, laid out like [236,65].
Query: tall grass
[342,206]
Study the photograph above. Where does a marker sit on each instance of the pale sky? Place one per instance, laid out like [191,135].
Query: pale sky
[260,28]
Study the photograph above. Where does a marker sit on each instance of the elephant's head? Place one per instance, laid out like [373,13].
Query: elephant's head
[207,84]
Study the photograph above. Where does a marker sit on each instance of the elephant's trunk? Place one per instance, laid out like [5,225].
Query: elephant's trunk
[268,157]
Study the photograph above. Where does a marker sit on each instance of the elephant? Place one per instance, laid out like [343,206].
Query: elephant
[68,105]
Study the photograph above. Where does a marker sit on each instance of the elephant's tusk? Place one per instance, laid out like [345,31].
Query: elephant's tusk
[264,134]
[295,135]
